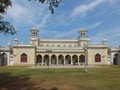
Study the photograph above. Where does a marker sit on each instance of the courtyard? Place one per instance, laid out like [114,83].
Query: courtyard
[25,78]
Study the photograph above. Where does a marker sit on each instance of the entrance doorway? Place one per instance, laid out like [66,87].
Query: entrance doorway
[116,59]
[3,59]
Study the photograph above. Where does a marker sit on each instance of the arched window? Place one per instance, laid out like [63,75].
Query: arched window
[58,45]
[53,59]
[23,57]
[67,59]
[97,58]
[39,59]
[81,58]
[74,59]
[64,46]
[46,59]
[60,59]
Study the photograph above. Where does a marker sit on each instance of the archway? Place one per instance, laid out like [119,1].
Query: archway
[53,59]
[23,58]
[116,59]
[3,59]
[75,59]
[97,58]
[67,59]
[39,59]
[82,58]
[60,59]
[46,59]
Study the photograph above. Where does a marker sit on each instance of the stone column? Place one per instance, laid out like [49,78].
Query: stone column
[64,60]
[78,59]
[42,60]
[56,60]
[49,59]
[71,60]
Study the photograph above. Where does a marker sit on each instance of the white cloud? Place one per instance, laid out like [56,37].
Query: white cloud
[68,34]
[82,10]
[112,35]
[85,8]
[44,21]
[27,13]
[97,24]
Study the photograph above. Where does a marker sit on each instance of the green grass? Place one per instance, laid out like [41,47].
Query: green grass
[23,78]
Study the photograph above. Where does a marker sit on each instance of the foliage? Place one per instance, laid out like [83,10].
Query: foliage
[52,4]
[5,26]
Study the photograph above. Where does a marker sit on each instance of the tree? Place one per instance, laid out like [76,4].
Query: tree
[5,26]
[52,4]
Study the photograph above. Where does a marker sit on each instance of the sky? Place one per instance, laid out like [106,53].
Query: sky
[100,17]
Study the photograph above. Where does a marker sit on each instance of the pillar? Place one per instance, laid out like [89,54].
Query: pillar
[78,59]
[42,60]
[64,60]
[71,60]
[49,59]
[56,60]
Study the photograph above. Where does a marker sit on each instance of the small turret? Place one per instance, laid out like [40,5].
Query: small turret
[82,34]
[9,44]
[83,38]
[105,41]
[15,41]
[34,36]
[34,33]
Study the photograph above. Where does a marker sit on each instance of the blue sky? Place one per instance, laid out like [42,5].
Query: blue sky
[100,17]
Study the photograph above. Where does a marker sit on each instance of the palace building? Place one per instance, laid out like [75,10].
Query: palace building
[41,52]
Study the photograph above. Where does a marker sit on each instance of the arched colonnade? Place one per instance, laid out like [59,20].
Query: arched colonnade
[60,59]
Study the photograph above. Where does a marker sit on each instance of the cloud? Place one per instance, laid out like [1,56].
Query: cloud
[68,34]
[44,21]
[84,9]
[27,13]
[112,35]
[97,24]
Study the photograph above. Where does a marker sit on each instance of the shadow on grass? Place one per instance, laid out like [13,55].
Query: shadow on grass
[22,82]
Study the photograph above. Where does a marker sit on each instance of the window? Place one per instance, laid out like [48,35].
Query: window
[82,58]
[47,45]
[97,58]
[70,45]
[64,45]
[75,45]
[41,45]
[58,45]
[53,45]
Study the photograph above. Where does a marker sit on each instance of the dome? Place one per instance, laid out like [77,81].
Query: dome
[104,39]
[34,29]
[15,39]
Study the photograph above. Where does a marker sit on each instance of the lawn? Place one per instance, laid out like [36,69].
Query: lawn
[24,78]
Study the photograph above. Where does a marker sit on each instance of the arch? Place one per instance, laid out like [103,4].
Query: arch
[46,59]
[38,59]
[67,59]
[82,58]
[23,57]
[116,59]
[53,59]
[60,59]
[3,59]
[75,59]
[97,58]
